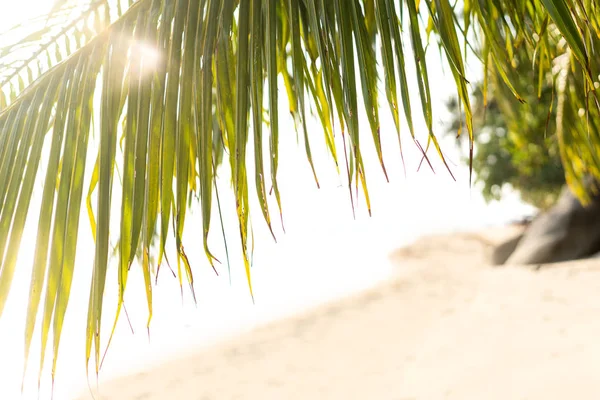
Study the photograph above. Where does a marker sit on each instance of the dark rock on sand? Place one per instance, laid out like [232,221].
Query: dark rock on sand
[501,253]
[567,231]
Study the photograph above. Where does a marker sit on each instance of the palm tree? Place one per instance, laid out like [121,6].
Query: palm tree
[546,129]
[515,142]
[182,84]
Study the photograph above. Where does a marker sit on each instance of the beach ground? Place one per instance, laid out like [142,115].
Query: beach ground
[445,326]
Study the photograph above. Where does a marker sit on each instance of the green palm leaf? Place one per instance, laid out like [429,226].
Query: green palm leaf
[179,83]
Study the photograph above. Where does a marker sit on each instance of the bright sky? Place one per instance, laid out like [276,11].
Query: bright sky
[323,254]
[16,11]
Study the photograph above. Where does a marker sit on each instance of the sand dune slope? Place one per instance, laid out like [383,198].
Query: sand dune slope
[446,326]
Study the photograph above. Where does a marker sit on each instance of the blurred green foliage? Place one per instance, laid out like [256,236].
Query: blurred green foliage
[515,143]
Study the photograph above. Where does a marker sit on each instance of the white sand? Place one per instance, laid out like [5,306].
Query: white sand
[446,326]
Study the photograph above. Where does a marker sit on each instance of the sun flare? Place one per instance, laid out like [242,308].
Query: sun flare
[145,57]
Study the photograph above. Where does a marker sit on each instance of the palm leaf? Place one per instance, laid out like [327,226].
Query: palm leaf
[177,82]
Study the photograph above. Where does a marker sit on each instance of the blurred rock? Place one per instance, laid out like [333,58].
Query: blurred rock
[501,252]
[567,231]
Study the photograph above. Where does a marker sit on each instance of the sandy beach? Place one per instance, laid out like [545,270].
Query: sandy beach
[445,326]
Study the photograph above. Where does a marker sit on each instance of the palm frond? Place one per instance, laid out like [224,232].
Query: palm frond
[30,48]
[176,82]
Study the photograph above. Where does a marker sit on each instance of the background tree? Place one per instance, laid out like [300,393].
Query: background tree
[149,78]
[520,148]
[527,142]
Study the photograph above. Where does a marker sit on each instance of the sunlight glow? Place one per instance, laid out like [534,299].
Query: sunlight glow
[21,10]
[144,57]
